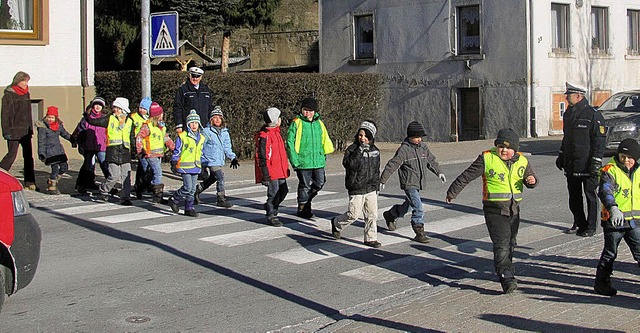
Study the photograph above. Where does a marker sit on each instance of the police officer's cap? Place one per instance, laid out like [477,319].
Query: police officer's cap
[196,71]
[574,89]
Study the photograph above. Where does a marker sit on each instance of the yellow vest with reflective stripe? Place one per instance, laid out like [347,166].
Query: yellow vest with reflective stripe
[500,183]
[116,135]
[154,143]
[327,145]
[191,152]
[138,120]
[626,193]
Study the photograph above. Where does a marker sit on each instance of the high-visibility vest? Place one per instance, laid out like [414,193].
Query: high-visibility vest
[138,120]
[191,152]
[627,199]
[154,143]
[500,183]
[117,135]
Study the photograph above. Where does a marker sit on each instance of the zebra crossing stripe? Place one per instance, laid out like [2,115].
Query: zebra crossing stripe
[344,246]
[120,218]
[453,255]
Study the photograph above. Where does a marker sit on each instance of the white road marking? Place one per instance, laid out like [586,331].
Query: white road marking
[453,255]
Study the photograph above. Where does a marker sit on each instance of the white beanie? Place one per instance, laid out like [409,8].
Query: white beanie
[122,103]
[271,116]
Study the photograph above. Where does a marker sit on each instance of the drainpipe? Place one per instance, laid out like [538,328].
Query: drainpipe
[532,78]
[84,76]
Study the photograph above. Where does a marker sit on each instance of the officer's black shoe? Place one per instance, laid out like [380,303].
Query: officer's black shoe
[586,233]
[334,231]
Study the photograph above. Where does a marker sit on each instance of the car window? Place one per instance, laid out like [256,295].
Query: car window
[622,102]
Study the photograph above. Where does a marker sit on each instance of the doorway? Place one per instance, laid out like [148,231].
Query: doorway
[469,117]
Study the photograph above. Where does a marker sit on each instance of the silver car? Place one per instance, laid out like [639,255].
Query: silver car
[621,114]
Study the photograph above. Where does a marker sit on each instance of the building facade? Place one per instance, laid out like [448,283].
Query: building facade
[466,68]
[53,42]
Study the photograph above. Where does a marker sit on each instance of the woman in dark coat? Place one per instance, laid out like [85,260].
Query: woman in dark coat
[17,126]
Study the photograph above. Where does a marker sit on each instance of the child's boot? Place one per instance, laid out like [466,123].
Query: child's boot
[157,193]
[189,210]
[603,283]
[173,203]
[52,186]
[196,195]
[420,236]
[222,201]
[304,210]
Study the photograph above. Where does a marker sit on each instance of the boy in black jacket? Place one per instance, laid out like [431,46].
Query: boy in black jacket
[362,163]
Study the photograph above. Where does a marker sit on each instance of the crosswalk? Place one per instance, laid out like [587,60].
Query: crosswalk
[209,228]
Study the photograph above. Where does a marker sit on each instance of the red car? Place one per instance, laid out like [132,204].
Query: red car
[20,238]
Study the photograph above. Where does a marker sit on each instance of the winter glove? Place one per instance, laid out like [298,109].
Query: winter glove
[7,137]
[559,162]
[442,178]
[364,147]
[41,157]
[617,219]
[381,186]
[74,144]
[174,166]
[594,169]
[234,163]
[265,183]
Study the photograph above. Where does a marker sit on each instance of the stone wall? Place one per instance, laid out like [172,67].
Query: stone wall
[284,49]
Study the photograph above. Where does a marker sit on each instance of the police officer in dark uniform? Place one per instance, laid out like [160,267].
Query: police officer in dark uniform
[192,95]
[580,157]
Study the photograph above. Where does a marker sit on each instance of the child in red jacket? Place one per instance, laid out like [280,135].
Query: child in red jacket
[272,165]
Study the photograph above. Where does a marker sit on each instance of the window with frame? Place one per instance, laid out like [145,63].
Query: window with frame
[364,36]
[21,19]
[633,43]
[468,30]
[560,32]
[599,30]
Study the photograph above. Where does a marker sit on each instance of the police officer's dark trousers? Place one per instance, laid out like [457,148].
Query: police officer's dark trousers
[503,231]
[576,185]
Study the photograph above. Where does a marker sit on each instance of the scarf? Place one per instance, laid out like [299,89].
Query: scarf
[19,90]
[54,126]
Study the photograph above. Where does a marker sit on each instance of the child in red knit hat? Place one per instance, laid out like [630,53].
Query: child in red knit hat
[50,150]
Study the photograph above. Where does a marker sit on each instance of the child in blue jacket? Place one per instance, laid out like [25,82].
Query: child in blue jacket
[216,149]
[186,162]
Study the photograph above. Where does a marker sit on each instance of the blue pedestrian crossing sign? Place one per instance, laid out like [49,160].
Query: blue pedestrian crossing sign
[164,34]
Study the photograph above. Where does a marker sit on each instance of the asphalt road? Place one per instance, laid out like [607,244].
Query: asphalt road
[109,268]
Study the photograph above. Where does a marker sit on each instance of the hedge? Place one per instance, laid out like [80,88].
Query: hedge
[344,99]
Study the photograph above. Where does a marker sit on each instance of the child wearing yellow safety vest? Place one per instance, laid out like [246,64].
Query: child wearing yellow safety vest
[118,155]
[143,171]
[504,172]
[150,142]
[620,211]
[186,162]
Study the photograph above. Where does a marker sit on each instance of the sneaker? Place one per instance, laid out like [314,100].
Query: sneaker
[509,286]
[391,221]
[126,202]
[114,191]
[571,230]
[275,222]
[334,232]
[586,233]
[373,244]
[103,197]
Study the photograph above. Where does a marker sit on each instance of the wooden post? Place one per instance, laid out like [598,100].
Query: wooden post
[224,65]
